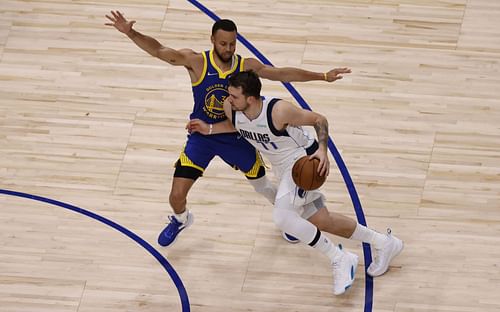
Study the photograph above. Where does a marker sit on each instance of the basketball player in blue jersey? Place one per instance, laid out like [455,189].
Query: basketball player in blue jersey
[208,71]
[274,127]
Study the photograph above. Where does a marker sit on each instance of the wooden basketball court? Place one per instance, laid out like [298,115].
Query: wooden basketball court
[88,119]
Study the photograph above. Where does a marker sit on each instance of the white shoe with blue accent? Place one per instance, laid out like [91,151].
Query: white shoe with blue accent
[344,271]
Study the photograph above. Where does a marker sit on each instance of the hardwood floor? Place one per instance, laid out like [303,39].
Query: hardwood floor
[89,119]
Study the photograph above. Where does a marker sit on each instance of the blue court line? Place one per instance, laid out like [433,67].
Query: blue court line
[333,150]
[170,270]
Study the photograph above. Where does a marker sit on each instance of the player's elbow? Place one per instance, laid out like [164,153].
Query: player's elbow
[321,121]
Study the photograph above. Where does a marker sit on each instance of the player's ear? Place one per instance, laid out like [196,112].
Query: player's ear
[254,99]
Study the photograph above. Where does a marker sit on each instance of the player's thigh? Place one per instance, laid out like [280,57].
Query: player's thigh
[194,157]
[243,156]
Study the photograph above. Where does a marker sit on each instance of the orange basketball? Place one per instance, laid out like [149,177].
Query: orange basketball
[305,174]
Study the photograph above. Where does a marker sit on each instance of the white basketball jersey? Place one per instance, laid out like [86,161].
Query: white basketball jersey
[281,147]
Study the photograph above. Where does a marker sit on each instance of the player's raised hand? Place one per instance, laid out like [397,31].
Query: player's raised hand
[119,22]
[336,74]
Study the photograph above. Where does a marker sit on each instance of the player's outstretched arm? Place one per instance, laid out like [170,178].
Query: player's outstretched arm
[289,74]
[149,44]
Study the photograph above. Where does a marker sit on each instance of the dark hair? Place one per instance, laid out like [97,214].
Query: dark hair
[248,81]
[224,24]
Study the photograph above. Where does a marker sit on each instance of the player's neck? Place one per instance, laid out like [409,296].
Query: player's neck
[253,110]
[223,65]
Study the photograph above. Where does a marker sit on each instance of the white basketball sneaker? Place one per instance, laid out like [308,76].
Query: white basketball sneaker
[344,271]
[392,247]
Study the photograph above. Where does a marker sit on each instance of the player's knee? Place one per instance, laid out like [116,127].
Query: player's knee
[177,198]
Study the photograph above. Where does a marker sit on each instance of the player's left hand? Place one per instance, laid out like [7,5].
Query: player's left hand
[197,125]
[336,74]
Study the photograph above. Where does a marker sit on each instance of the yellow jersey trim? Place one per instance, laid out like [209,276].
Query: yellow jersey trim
[254,171]
[186,162]
[242,67]
[222,74]
[203,73]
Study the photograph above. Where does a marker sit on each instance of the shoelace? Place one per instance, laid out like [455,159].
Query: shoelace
[336,264]
[174,220]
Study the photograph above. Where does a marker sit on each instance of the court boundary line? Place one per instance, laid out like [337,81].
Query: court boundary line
[159,257]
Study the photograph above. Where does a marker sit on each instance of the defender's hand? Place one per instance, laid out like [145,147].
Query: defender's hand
[336,74]
[119,22]
[197,125]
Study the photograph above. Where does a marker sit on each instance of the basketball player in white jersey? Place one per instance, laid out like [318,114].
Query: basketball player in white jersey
[273,126]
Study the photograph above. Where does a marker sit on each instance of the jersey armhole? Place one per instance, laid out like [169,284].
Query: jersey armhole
[242,64]
[269,112]
[204,71]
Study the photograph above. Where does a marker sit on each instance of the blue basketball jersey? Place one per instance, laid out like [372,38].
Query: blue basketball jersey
[210,90]
[209,93]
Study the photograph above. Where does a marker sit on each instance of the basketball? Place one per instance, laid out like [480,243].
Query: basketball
[305,174]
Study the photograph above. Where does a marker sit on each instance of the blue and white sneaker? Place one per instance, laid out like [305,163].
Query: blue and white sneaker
[344,270]
[169,234]
[290,238]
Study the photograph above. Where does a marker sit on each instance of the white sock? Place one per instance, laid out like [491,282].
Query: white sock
[182,217]
[326,246]
[264,187]
[366,235]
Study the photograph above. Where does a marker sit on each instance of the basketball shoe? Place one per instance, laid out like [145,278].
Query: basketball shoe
[392,247]
[344,271]
[169,234]
[290,238]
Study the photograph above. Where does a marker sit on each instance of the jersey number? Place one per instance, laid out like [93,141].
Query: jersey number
[270,143]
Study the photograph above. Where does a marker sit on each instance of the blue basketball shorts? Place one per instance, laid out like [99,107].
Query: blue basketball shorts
[235,151]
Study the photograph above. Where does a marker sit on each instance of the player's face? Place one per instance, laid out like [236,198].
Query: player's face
[224,44]
[237,99]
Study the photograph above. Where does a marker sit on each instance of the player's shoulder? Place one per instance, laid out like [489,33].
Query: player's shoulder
[282,110]
[280,104]
[191,53]
[193,59]
[251,63]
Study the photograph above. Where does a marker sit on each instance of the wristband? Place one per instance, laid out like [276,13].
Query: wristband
[326,77]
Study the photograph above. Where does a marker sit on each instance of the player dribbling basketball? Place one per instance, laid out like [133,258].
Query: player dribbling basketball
[274,127]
